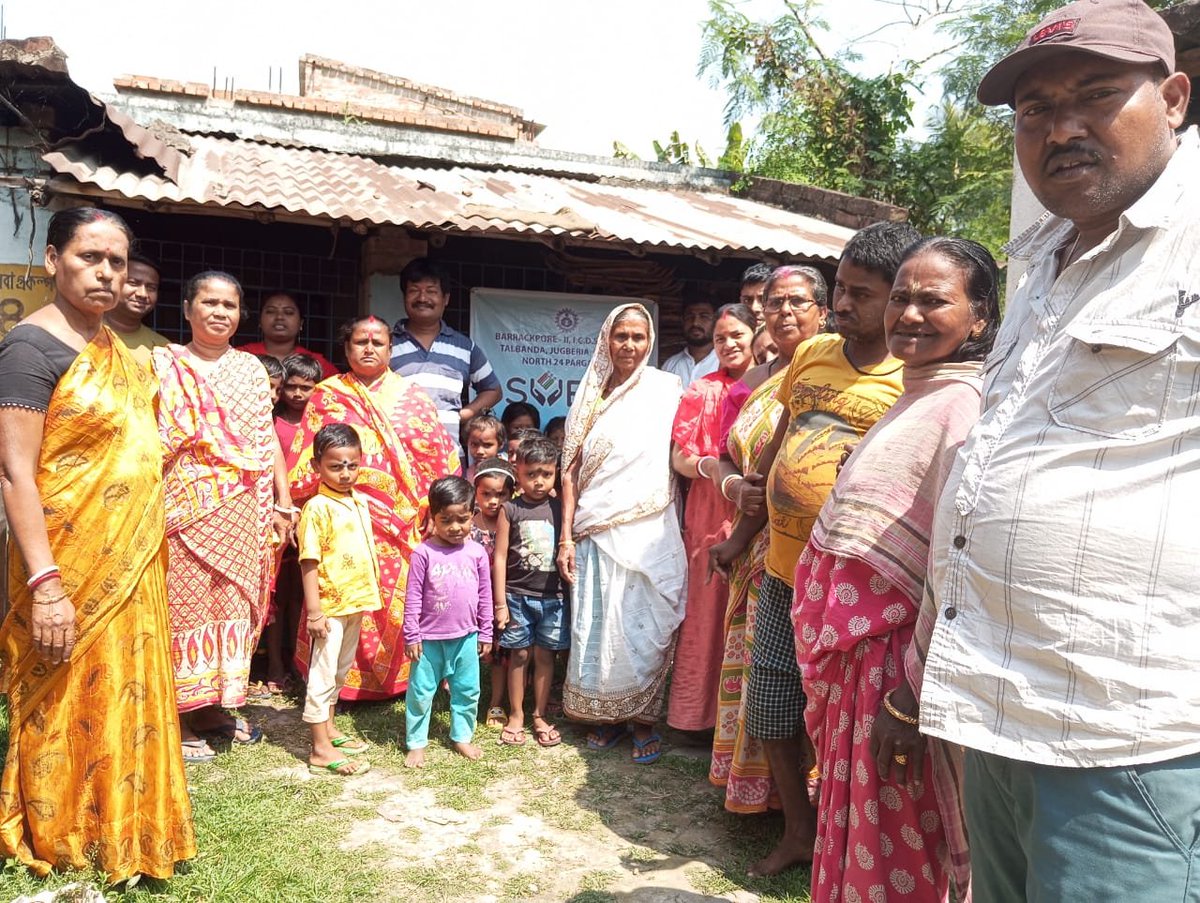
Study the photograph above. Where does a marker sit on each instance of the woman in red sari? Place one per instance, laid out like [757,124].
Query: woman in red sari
[695,448]
[404,449]
[889,823]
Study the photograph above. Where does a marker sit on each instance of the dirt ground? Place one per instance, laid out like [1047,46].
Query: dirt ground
[559,824]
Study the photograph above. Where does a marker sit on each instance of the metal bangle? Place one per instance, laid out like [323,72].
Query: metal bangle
[896,713]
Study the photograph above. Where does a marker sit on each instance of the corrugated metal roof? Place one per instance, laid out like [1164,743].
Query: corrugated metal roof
[318,183]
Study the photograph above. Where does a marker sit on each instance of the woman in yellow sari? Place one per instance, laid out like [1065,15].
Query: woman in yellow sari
[739,763]
[404,449]
[93,775]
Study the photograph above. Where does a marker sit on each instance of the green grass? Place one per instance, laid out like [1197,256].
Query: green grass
[267,834]
[257,833]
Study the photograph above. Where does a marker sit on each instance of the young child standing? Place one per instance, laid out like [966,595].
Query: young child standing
[493,487]
[340,574]
[484,438]
[274,374]
[529,603]
[301,373]
[447,620]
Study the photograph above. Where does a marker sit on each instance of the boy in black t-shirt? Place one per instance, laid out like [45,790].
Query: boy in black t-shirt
[529,604]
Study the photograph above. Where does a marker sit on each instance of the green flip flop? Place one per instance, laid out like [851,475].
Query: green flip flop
[332,769]
[343,743]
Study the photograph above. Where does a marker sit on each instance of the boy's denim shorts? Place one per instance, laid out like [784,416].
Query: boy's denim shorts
[534,621]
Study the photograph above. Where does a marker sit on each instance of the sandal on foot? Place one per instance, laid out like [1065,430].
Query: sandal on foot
[258,692]
[547,736]
[645,758]
[197,752]
[606,736]
[332,769]
[230,732]
[496,717]
[510,737]
[343,743]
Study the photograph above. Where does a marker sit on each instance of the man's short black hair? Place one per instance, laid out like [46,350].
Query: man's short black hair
[880,247]
[756,273]
[136,256]
[421,268]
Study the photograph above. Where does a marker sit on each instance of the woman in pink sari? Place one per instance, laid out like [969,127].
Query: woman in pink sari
[695,449]
[228,507]
[889,816]
[404,449]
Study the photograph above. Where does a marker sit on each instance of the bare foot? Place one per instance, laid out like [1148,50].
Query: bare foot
[789,853]
[415,758]
[469,750]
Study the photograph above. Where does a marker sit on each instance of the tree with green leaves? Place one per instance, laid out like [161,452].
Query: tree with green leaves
[824,124]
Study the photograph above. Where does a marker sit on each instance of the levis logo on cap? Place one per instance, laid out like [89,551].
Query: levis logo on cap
[1053,30]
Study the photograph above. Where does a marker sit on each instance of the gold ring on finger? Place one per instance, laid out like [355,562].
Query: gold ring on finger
[900,759]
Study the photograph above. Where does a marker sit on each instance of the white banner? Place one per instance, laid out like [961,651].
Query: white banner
[540,343]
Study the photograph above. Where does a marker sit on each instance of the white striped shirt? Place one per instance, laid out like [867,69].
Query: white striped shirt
[1064,561]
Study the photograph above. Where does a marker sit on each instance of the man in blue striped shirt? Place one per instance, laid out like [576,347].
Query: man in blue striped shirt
[441,360]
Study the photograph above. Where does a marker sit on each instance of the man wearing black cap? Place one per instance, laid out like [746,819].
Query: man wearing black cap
[1064,564]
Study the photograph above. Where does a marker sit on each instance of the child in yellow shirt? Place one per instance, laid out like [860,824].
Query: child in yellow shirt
[340,575]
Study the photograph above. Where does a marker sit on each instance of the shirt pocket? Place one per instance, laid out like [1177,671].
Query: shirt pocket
[1116,378]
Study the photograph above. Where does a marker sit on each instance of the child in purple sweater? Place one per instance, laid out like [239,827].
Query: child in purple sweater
[447,620]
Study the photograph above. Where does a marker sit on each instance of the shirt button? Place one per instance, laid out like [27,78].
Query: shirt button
[951,613]
[960,541]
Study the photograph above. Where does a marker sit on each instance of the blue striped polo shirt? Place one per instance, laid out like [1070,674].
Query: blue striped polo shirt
[452,363]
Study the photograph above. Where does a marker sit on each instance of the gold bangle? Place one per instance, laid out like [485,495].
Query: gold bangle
[896,713]
[49,601]
[566,542]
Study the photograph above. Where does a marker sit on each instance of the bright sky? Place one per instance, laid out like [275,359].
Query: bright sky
[591,70]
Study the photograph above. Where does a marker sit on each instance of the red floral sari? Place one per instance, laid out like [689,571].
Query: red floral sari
[405,448]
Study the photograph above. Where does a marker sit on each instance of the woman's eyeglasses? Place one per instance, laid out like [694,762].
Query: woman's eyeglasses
[798,303]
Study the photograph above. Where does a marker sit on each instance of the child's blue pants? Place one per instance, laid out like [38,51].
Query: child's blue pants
[458,662]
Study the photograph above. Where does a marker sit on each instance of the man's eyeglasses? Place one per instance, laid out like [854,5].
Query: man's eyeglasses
[798,303]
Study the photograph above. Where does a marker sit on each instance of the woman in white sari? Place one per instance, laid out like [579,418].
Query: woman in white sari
[621,546]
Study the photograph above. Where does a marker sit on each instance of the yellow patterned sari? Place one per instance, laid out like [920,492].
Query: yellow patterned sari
[94,774]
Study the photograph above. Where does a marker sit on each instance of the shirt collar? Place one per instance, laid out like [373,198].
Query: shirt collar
[402,327]
[1156,208]
[343,497]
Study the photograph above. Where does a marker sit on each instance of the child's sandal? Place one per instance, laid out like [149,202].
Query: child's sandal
[496,717]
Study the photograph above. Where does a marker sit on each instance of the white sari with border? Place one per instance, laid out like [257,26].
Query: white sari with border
[631,566]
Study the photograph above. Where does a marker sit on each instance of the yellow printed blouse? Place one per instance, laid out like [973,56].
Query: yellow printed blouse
[335,532]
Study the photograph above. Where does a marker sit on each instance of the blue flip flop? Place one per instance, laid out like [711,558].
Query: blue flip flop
[640,758]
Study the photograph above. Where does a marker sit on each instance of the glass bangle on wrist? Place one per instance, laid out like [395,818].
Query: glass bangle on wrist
[725,485]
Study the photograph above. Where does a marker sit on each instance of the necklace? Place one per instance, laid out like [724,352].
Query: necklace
[857,369]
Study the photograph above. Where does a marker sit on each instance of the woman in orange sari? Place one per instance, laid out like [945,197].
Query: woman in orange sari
[404,449]
[93,776]
[228,506]
[695,449]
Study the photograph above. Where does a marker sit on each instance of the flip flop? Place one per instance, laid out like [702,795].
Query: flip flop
[230,732]
[608,736]
[197,752]
[547,736]
[332,769]
[510,737]
[258,691]
[496,717]
[641,758]
[343,743]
